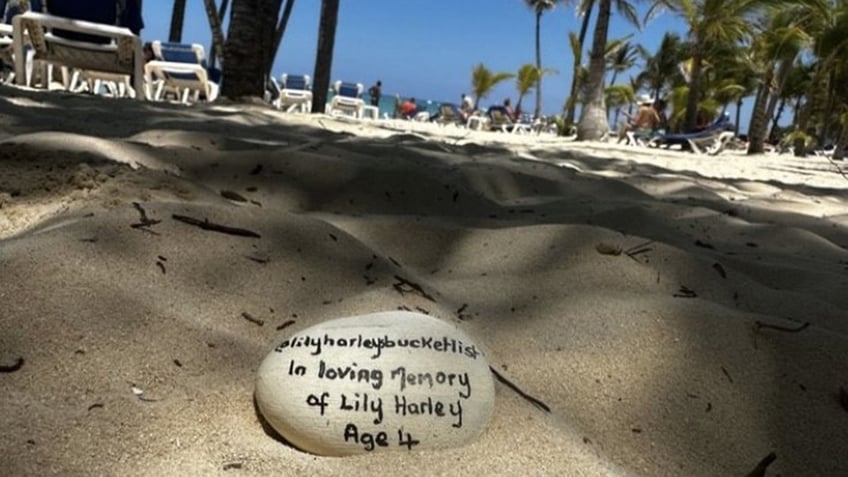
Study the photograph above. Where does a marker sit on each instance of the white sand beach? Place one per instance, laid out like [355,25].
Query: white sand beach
[680,314]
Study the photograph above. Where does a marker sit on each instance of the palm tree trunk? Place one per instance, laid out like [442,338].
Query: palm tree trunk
[775,120]
[177,17]
[213,52]
[575,73]
[694,89]
[612,82]
[324,55]
[215,25]
[841,144]
[242,65]
[538,111]
[783,73]
[828,118]
[593,119]
[270,9]
[805,112]
[759,116]
[281,30]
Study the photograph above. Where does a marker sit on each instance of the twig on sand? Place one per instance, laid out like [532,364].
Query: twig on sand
[224,229]
[718,268]
[726,374]
[145,221]
[247,316]
[758,325]
[285,324]
[12,367]
[760,469]
[405,286]
[685,292]
[607,249]
[521,393]
[232,195]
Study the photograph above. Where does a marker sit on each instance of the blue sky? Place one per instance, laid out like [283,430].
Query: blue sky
[427,48]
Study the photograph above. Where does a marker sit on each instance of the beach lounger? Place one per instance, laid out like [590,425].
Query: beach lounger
[295,93]
[347,101]
[179,69]
[711,145]
[82,34]
[448,113]
[710,140]
[499,120]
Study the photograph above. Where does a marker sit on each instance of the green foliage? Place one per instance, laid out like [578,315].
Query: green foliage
[483,81]
[619,94]
[526,79]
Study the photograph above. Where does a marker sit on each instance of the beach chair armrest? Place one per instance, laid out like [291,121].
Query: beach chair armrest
[80,26]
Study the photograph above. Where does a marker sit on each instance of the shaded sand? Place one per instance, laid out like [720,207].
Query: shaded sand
[649,354]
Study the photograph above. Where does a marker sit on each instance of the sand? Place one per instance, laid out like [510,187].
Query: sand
[633,291]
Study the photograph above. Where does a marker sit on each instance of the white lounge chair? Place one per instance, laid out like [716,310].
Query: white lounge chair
[295,93]
[180,69]
[711,145]
[347,100]
[53,42]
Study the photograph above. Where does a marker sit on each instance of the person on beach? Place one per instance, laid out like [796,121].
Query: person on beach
[507,104]
[646,119]
[147,51]
[375,92]
[466,106]
[408,108]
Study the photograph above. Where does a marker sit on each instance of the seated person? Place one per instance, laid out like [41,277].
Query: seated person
[466,106]
[408,108]
[646,119]
[509,111]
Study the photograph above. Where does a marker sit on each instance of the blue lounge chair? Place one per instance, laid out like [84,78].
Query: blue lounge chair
[295,93]
[180,69]
[710,140]
[499,120]
[92,35]
[347,100]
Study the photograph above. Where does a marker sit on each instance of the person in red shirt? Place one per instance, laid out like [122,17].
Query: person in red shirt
[408,108]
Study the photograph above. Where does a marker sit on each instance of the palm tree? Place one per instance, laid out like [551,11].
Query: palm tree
[710,22]
[661,73]
[793,92]
[828,27]
[215,19]
[243,67]
[776,50]
[216,49]
[483,81]
[177,16]
[525,81]
[540,7]
[617,96]
[593,119]
[584,8]
[621,56]
[279,33]
[324,55]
